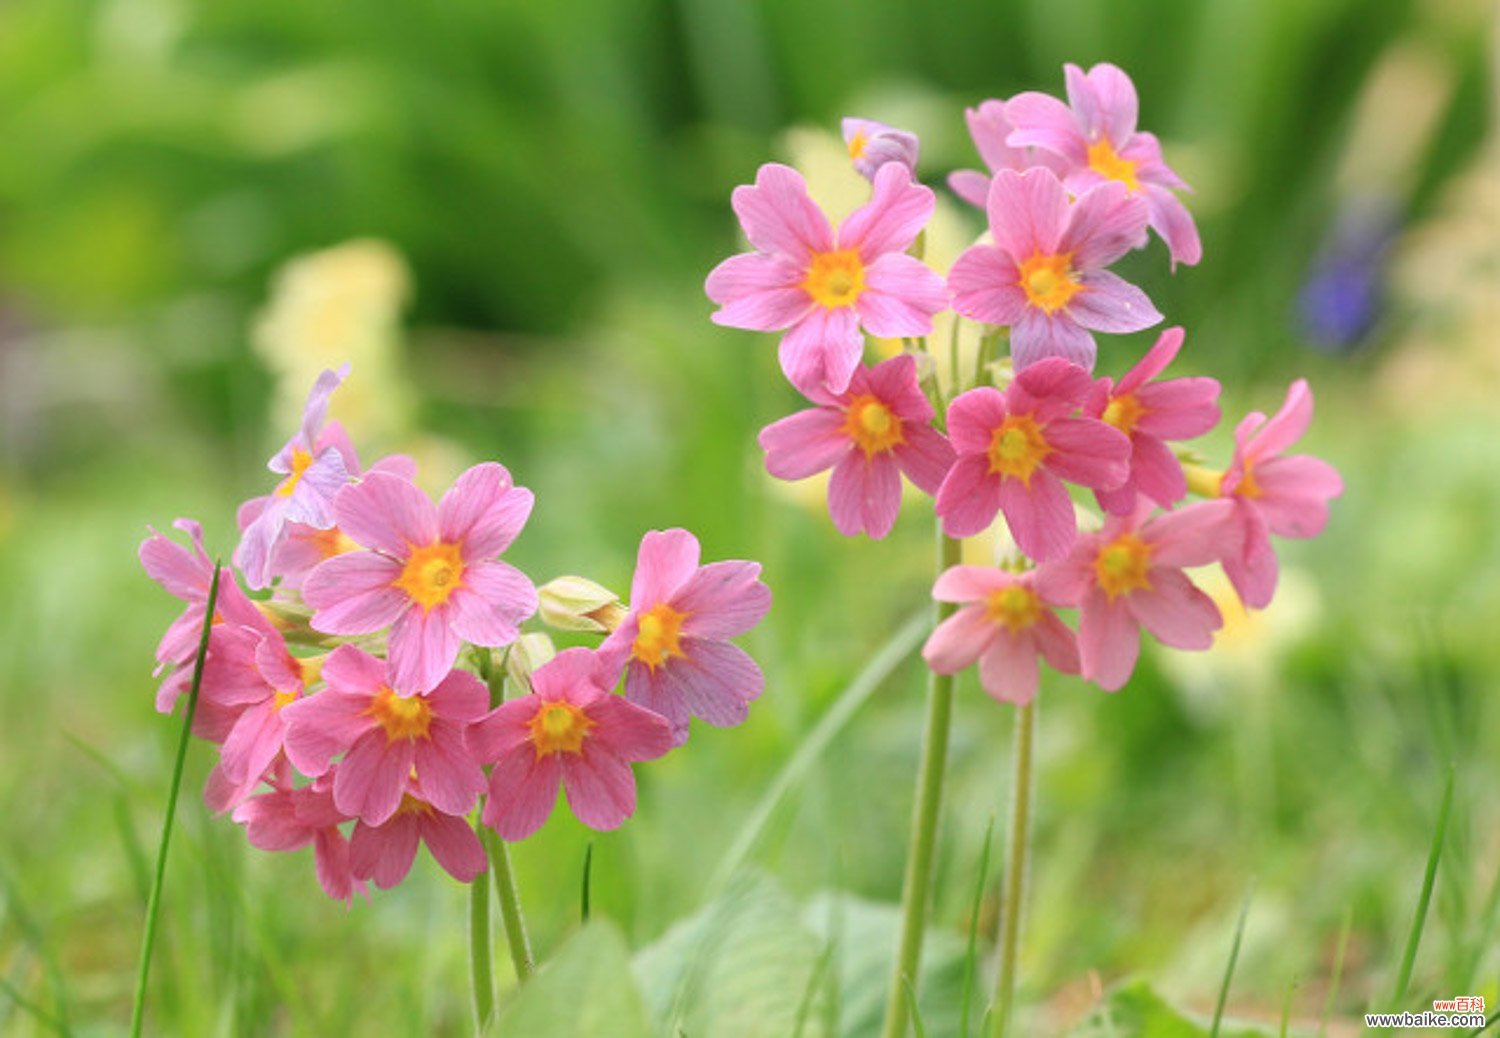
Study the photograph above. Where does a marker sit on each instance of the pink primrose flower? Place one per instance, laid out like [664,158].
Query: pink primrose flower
[674,643]
[1015,449]
[387,737]
[315,463]
[428,573]
[1272,493]
[821,287]
[1044,276]
[1006,625]
[1095,136]
[385,852]
[1129,575]
[569,732]
[989,127]
[1150,413]
[878,428]
[287,819]
[872,145]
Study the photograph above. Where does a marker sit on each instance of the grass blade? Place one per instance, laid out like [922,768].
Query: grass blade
[588,871]
[1234,956]
[971,956]
[39,1014]
[916,1013]
[1338,971]
[814,982]
[1424,899]
[153,905]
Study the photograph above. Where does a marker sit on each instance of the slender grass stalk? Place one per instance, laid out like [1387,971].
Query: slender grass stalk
[1286,1009]
[1424,899]
[916,887]
[588,873]
[481,971]
[1234,958]
[971,954]
[39,1014]
[1338,970]
[510,905]
[153,905]
[1013,902]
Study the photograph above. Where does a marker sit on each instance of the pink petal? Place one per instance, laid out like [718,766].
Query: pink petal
[1175,611]
[1054,378]
[369,780]
[969,498]
[599,786]
[714,682]
[723,599]
[384,853]
[1104,224]
[451,780]
[1165,350]
[1108,641]
[1105,101]
[1197,535]
[1295,492]
[989,126]
[1008,670]
[453,845]
[957,642]
[896,213]
[1066,582]
[1087,452]
[778,215]
[1042,121]
[423,648]
[252,744]
[386,513]
[1027,211]
[1155,470]
[901,295]
[1253,570]
[460,697]
[804,443]
[1179,408]
[926,457]
[1057,643]
[353,593]
[504,731]
[760,292]
[864,495]
[985,283]
[271,824]
[181,573]
[628,731]
[971,186]
[1035,336]
[495,599]
[483,511]
[331,860]
[1040,517]
[972,583]
[821,351]
[1171,220]
[320,727]
[666,560]
[352,670]
[311,501]
[1108,303]
[523,789]
[1286,426]
[973,417]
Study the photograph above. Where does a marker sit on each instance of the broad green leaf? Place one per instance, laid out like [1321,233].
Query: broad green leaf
[586,990]
[1135,1010]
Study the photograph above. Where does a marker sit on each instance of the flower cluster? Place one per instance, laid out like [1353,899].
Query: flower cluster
[356,700]
[1070,189]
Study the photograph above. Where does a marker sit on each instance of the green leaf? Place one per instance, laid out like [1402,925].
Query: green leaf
[586,990]
[1135,1010]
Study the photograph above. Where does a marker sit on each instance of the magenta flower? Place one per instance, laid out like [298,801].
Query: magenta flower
[1151,413]
[1045,276]
[569,732]
[989,128]
[385,852]
[1129,575]
[1287,496]
[878,428]
[287,819]
[674,643]
[316,462]
[429,573]
[872,145]
[1006,625]
[388,738]
[1095,136]
[1014,450]
[821,287]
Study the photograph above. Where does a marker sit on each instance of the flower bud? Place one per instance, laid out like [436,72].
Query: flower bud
[526,654]
[872,145]
[577,604]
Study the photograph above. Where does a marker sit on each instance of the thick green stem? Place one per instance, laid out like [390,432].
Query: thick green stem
[481,972]
[153,904]
[510,906]
[916,888]
[1013,904]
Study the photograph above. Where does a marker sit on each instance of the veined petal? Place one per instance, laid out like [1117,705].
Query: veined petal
[723,599]
[1040,517]
[1037,336]
[1105,101]
[1109,303]
[969,498]
[760,292]
[1008,669]
[483,511]
[1109,641]
[897,211]
[864,495]
[901,295]
[925,457]
[804,443]
[1170,219]
[778,215]
[1175,611]
[453,845]
[1027,211]
[985,283]
[386,513]
[821,351]
[423,648]
[1042,121]
[667,558]
[1105,223]
[957,642]
[1088,452]
[353,593]
[495,599]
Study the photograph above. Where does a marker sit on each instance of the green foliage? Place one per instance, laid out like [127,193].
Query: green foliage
[1134,1010]
[585,990]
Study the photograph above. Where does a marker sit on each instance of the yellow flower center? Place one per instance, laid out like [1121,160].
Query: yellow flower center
[872,426]
[559,727]
[1048,280]
[332,541]
[857,144]
[433,572]
[1016,607]
[1123,412]
[407,718]
[1120,567]
[835,279]
[656,640]
[1104,160]
[1017,447]
[410,805]
[301,459]
[1247,486]
[281,699]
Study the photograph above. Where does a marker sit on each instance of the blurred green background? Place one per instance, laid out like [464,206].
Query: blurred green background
[551,182]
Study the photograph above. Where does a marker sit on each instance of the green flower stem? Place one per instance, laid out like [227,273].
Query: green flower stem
[153,904]
[481,972]
[916,888]
[510,905]
[1013,903]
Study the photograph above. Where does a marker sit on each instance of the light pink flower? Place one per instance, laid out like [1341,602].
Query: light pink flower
[385,852]
[872,145]
[1129,575]
[1097,140]
[878,428]
[1044,276]
[1151,413]
[287,819]
[1006,626]
[315,463]
[822,287]
[1287,496]
[1015,449]
[674,643]
[387,738]
[989,127]
[569,732]
[429,573]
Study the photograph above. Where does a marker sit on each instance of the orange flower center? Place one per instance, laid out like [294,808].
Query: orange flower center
[402,718]
[835,279]
[872,426]
[656,640]
[1123,412]
[1120,567]
[433,572]
[331,542]
[1016,607]
[1104,160]
[559,727]
[301,460]
[1048,280]
[1247,487]
[857,144]
[410,805]
[1017,447]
